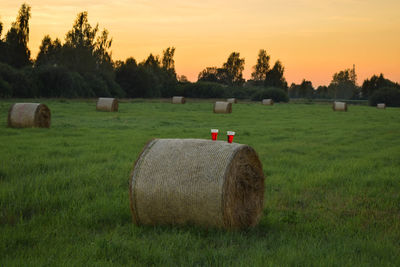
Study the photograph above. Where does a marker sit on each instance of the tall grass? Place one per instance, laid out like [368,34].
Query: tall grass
[332,186]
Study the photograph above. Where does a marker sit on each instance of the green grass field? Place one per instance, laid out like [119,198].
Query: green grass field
[332,193]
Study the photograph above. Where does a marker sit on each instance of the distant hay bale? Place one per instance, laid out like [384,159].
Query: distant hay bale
[268,102]
[24,115]
[232,100]
[381,106]
[178,100]
[107,104]
[222,107]
[339,106]
[193,181]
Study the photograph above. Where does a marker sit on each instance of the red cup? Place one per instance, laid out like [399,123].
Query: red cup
[230,136]
[214,134]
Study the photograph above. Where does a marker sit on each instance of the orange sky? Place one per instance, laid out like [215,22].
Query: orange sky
[313,39]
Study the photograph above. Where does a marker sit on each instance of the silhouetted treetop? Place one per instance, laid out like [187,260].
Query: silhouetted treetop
[15,51]
[209,74]
[82,34]
[275,78]
[49,52]
[152,61]
[261,69]
[375,83]
[168,61]
[233,69]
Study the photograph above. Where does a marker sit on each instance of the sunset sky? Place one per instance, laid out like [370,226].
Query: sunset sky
[313,39]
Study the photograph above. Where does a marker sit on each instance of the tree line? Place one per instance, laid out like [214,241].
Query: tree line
[82,66]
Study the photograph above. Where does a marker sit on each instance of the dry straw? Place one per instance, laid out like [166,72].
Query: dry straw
[193,181]
[178,100]
[107,104]
[381,106]
[232,100]
[222,107]
[268,102]
[22,115]
[339,106]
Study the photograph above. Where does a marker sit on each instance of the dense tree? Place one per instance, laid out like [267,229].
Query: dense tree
[152,61]
[83,66]
[134,79]
[162,73]
[204,90]
[49,52]
[342,76]
[343,85]
[232,70]
[275,78]
[209,74]
[168,61]
[82,34]
[183,79]
[78,49]
[149,78]
[375,83]
[2,45]
[388,95]
[322,92]
[261,69]
[85,49]
[303,90]
[101,51]
[276,94]
[15,51]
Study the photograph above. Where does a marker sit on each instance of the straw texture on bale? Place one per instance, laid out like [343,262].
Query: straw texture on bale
[107,104]
[222,107]
[193,181]
[232,100]
[381,105]
[22,115]
[339,106]
[268,102]
[178,100]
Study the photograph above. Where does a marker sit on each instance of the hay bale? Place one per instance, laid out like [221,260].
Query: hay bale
[222,107]
[232,100]
[193,181]
[178,100]
[268,102]
[381,106]
[339,106]
[107,104]
[24,115]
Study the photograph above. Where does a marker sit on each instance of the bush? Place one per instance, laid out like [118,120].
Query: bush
[113,87]
[98,85]
[5,89]
[19,83]
[276,94]
[243,92]
[388,95]
[58,81]
[204,90]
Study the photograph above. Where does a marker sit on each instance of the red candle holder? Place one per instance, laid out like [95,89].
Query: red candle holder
[230,136]
[214,134]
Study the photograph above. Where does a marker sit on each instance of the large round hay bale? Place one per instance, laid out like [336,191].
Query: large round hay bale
[339,106]
[232,100]
[381,106]
[21,115]
[107,104]
[193,181]
[178,100]
[222,107]
[268,102]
